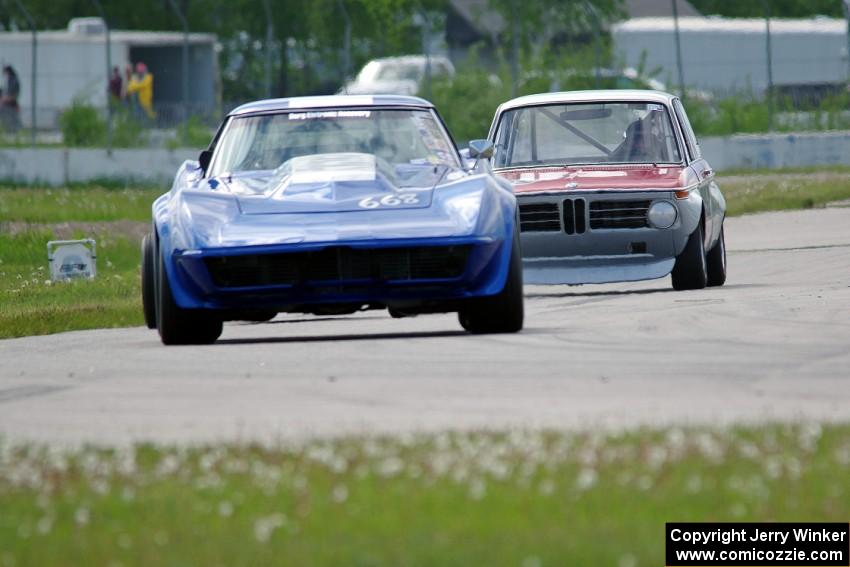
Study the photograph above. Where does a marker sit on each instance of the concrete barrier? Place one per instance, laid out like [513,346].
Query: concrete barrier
[57,166]
[766,151]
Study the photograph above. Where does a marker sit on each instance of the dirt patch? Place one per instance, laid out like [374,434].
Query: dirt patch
[131,230]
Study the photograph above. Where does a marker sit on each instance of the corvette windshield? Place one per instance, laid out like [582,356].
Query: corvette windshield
[594,133]
[402,138]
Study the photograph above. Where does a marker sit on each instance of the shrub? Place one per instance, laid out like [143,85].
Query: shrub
[127,132]
[193,134]
[82,126]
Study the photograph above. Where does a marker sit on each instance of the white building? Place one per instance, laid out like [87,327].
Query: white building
[72,64]
[727,55]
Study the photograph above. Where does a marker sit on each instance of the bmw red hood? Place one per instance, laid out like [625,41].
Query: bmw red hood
[595,178]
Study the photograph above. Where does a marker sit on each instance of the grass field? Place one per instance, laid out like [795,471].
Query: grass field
[778,191]
[31,216]
[30,304]
[117,216]
[520,498]
[83,204]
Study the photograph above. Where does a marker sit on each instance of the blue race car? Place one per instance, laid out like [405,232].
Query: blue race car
[332,205]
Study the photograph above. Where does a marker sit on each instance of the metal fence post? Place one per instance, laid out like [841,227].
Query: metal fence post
[597,44]
[766,5]
[182,17]
[515,31]
[678,49]
[426,29]
[269,38]
[34,68]
[99,7]
[846,4]
[346,42]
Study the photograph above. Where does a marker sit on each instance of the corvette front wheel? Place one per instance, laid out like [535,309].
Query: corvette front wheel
[148,282]
[178,326]
[503,312]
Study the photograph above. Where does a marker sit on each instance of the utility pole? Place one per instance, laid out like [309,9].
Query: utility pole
[33,68]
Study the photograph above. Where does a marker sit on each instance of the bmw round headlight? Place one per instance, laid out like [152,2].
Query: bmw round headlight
[662,214]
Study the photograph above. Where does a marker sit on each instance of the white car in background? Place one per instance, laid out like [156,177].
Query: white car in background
[398,75]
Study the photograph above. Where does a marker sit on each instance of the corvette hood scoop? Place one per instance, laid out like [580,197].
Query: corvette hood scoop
[334,183]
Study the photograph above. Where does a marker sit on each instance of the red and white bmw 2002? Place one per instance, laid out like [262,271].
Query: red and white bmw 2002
[611,186]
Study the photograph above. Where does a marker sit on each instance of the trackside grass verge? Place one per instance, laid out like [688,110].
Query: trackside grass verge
[517,498]
[96,203]
[30,304]
[778,191]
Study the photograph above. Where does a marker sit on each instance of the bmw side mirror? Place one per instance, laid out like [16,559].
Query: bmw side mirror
[204,160]
[481,149]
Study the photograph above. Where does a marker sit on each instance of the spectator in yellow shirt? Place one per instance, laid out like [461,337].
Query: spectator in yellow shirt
[142,84]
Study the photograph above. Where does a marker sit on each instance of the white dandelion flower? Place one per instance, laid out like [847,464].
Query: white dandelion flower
[225,509]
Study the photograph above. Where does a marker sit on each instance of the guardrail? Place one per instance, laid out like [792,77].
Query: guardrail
[60,166]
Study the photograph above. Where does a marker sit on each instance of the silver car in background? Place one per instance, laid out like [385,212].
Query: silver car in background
[404,75]
[611,186]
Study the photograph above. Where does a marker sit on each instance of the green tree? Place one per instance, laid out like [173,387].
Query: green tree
[535,29]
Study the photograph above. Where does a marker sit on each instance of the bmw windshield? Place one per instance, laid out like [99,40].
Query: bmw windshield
[587,133]
[409,143]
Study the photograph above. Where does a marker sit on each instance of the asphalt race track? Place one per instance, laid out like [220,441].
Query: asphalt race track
[774,343]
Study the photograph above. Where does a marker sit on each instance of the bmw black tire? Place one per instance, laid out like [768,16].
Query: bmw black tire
[178,326]
[503,312]
[148,282]
[690,270]
[716,260]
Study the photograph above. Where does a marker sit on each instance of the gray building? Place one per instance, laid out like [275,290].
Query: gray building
[475,22]
[71,64]
[728,55]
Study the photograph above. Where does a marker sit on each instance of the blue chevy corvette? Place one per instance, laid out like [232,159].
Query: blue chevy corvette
[332,205]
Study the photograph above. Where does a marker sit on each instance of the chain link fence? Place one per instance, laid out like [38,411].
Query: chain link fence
[771,84]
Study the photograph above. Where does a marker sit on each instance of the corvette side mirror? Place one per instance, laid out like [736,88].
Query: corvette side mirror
[481,149]
[468,162]
[204,160]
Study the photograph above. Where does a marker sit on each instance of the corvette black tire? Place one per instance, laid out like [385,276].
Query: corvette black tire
[716,260]
[258,316]
[178,326]
[148,282]
[690,270]
[503,312]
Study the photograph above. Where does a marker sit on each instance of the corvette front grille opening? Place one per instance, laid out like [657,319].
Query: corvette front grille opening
[338,264]
[539,217]
[618,214]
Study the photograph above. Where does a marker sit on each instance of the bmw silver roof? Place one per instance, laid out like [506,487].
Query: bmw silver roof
[333,101]
[612,95]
